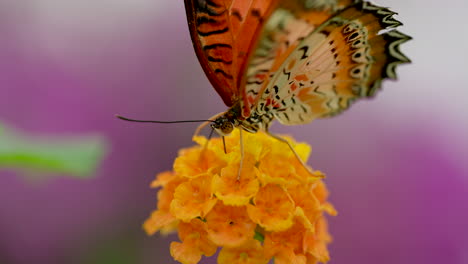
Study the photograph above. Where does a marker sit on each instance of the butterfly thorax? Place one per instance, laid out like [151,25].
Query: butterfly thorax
[233,118]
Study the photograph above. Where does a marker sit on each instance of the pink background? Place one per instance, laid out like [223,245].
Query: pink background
[396,164]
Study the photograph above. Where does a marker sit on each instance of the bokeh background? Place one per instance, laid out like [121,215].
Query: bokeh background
[397,164]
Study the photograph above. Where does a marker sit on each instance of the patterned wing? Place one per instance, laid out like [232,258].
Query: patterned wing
[345,58]
[222,32]
[287,26]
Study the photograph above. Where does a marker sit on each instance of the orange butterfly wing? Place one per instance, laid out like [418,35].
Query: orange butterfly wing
[223,32]
[343,59]
[288,24]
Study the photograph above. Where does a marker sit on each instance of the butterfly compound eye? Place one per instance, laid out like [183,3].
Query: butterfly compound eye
[227,127]
[223,126]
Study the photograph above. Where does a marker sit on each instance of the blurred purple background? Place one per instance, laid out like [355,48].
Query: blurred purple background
[396,165]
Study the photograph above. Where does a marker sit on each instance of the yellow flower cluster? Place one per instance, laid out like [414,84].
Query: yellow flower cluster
[274,210]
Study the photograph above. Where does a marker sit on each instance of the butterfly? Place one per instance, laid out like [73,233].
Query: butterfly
[292,60]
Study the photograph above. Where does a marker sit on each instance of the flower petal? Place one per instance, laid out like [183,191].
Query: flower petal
[273,208]
[193,199]
[162,179]
[315,243]
[184,253]
[250,252]
[158,220]
[229,226]
[233,191]
[194,243]
[195,162]
[308,203]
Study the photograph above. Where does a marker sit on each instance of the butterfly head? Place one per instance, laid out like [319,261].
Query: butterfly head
[223,125]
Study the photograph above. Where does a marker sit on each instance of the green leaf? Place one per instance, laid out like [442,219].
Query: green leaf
[259,236]
[76,156]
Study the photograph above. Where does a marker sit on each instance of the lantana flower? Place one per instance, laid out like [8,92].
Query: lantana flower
[273,209]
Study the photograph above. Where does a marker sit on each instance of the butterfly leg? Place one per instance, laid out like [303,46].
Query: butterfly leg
[241,162]
[205,146]
[294,151]
[198,130]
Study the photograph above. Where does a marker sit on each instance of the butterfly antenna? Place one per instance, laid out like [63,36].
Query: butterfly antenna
[161,122]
